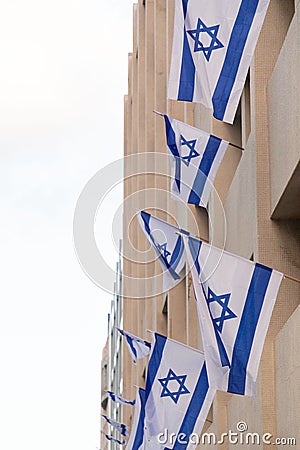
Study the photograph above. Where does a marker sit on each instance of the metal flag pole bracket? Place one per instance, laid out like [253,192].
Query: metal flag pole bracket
[230,143]
[157,112]
[289,277]
[236,146]
[180,233]
[184,233]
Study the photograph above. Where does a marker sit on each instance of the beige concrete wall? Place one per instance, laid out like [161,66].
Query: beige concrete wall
[287,379]
[241,223]
[269,246]
[284,129]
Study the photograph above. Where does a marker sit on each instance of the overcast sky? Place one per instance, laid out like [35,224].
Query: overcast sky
[62,81]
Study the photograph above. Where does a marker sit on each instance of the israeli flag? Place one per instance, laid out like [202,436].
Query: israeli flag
[235,299]
[178,395]
[213,45]
[111,438]
[120,427]
[118,399]
[138,348]
[168,245]
[136,438]
[197,158]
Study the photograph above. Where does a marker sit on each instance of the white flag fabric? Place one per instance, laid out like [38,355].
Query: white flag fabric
[118,399]
[197,158]
[136,438]
[118,426]
[213,44]
[235,299]
[168,245]
[178,396]
[138,348]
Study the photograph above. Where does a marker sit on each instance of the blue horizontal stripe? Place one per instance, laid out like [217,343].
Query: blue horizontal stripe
[188,70]
[110,438]
[139,436]
[184,7]
[187,73]
[194,408]
[146,219]
[171,142]
[207,160]
[186,233]
[165,263]
[244,339]
[195,246]
[154,362]
[233,57]
[130,343]
[177,253]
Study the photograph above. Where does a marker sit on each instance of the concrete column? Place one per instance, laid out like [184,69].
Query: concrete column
[269,242]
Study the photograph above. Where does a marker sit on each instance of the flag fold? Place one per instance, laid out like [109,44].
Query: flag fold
[168,245]
[136,437]
[235,298]
[117,441]
[120,427]
[138,348]
[118,399]
[197,158]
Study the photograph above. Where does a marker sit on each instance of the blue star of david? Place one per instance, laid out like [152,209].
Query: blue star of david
[226,313]
[211,32]
[182,389]
[163,248]
[193,153]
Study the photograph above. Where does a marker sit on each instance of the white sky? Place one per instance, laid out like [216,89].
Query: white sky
[62,81]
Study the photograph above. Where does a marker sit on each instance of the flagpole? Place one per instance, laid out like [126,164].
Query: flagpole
[178,342]
[230,143]
[179,233]
[236,146]
[157,112]
[288,277]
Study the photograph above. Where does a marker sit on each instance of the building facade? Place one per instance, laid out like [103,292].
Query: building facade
[111,366]
[254,210]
